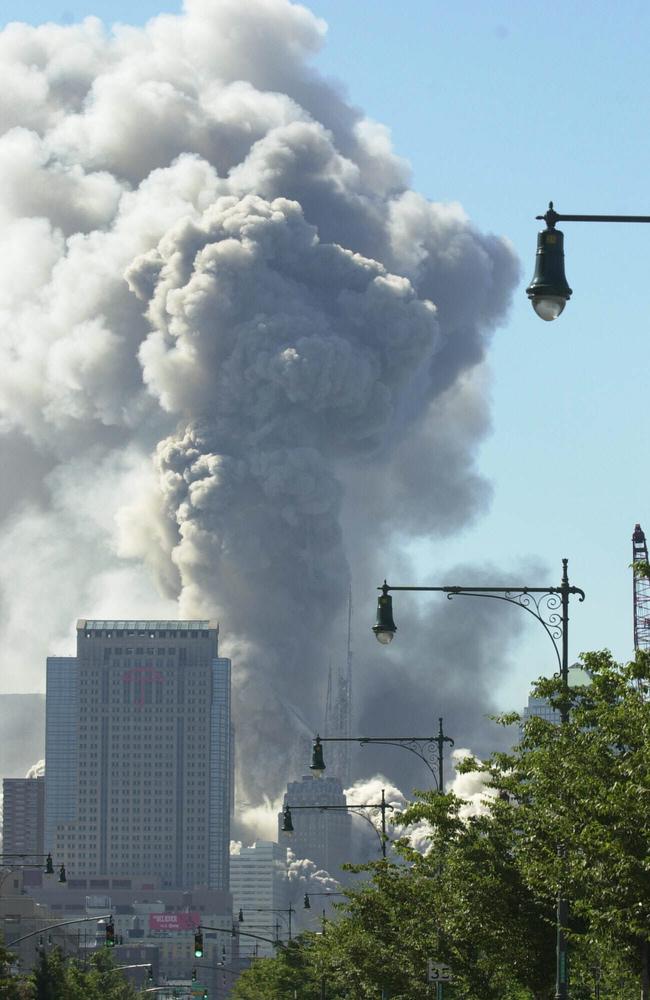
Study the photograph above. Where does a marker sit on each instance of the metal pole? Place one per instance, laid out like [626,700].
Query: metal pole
[562,913]
[383,824]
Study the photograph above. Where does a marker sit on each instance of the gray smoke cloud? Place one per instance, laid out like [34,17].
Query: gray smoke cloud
[239,356]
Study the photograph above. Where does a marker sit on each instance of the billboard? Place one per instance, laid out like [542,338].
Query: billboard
[173,922]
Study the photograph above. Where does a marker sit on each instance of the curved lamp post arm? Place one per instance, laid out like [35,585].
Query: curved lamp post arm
[550,608]
[429,749]
[62,923]
[286,912]
[235,932]
[349,807]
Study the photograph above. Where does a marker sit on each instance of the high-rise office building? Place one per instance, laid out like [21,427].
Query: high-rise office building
[323,836]
[23,809]
[541,707]
[138,742]
[258,882]
[61,744]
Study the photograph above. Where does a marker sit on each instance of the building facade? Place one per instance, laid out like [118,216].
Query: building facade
[138,744]
[23,813]
[146,917]
[258,883]
[323,836]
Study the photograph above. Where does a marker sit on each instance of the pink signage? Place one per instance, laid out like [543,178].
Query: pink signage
[174,921]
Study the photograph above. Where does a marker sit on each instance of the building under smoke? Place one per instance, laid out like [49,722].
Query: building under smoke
[138,740]
[322,835]
[258,883]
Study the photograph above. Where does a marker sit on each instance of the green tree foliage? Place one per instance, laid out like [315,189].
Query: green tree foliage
[579,794]
[12,987]
[58,978]
[293,972]
[568,810]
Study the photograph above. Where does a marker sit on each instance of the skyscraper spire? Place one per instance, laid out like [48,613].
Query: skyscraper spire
[338,712]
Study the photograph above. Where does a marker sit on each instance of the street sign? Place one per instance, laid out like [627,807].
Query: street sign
[438,972]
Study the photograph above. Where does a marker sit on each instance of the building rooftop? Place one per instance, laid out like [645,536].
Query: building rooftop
[93,625]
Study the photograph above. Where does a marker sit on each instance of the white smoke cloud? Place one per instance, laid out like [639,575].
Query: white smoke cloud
[471,787]
[37,770]
[303,875]
[260,821]
[222,311]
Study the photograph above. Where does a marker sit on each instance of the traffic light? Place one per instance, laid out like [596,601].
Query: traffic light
[198,945]
[193,975]
[150,974]
[205,994]
[110,933]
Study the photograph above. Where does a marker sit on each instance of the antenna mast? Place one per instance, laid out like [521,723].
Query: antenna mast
[338,712]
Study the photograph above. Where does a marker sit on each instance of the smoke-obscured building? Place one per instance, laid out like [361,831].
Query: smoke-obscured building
[258,883]
[323,836]
[138,746]
[22,815]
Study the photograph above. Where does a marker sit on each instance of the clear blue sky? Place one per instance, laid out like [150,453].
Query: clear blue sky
[502,106]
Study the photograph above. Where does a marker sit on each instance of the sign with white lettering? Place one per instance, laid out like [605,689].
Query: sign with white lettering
[174,921]
[438,972]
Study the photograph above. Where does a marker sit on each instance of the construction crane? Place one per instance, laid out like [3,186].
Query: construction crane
[641,591]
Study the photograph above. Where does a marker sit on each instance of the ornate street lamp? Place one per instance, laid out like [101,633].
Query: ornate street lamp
[287,819]
[550,607]
[549,290]
[423,747]
[285,910]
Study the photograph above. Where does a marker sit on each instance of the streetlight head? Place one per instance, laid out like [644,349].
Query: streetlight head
[384,628]
[548,307]
[549,291]
[317,763]
[287,824]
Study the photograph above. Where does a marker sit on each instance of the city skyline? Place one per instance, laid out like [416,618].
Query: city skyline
[509,445]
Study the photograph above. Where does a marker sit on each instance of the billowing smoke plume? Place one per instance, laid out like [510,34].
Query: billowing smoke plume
[238,353]
[37,770]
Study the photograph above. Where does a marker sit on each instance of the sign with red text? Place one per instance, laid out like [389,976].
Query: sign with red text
[174,922]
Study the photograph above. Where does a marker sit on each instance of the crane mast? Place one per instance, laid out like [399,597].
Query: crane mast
[641,591]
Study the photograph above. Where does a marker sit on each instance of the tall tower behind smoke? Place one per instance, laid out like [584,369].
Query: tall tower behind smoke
[338,712]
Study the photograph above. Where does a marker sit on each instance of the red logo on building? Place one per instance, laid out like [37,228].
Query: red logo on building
[141,679]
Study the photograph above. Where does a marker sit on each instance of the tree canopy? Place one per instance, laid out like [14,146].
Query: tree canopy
[566,809]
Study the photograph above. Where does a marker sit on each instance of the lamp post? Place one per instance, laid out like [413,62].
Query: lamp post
[288,910]
[550,607]
[307,906]
[421,746]
[549,290]
[287,821]
[234,932]
[307,900]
